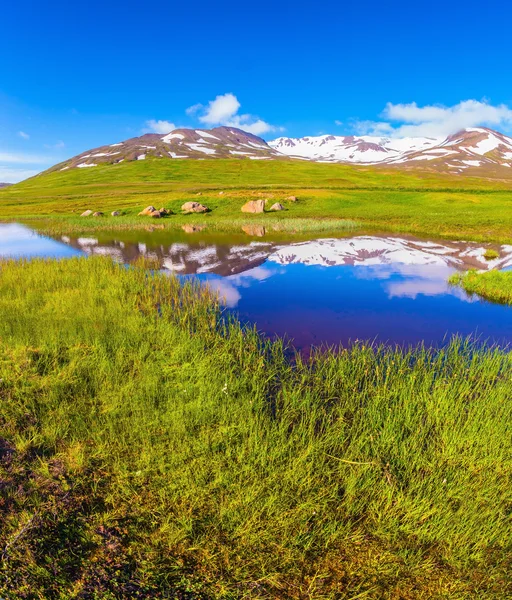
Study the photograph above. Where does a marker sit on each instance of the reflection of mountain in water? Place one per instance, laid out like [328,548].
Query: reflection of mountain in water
[374,250]
[224,259]
[181,258]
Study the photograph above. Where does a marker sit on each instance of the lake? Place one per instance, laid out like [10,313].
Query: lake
[384,288]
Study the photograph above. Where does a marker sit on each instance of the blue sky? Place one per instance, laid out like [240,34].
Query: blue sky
[78,75]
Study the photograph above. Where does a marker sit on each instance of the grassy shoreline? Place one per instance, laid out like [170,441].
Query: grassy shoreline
[420,203]
[495,286]
[149,450]
[275,227]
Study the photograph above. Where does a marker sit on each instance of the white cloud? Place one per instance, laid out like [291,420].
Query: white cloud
[220,110]
[13,165]
[24,135]
[24,159]
[192,110]
[8,175]
[58,146]
[154,126]
[337,122]
[373,128]
[224,111]
[404,120]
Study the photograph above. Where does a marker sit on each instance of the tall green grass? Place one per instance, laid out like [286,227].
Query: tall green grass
[150,448]
[495,286]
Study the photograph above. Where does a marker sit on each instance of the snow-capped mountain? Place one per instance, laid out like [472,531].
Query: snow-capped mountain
[472,148]
[478,151]
[220,142]
[354,149]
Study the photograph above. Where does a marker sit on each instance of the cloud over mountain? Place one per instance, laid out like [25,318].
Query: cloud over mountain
[154,126]
[411,120]
[224,111]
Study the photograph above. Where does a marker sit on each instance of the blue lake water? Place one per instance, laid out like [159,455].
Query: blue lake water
[389,289]
[17,241]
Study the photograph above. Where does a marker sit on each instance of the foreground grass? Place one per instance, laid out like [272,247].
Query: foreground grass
[415,202]
[495,286]
[148,449]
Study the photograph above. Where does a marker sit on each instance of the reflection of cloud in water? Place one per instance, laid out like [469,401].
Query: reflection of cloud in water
[228,293]
[415,280]
[258,273]
[425,287]
[228,288]
[389,270]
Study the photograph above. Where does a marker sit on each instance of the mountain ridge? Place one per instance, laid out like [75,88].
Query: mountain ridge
[468,149]
[220,142]
[477,151]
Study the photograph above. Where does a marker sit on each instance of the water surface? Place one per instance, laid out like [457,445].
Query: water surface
[390,289]
[18,241]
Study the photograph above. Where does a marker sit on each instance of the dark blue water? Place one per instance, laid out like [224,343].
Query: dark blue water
[339,304]
[385,289]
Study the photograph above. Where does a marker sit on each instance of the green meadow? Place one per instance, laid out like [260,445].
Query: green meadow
[404,201]
[150,448]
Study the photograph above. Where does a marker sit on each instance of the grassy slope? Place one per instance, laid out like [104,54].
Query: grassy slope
[416,202]
[495,286]
[136,458]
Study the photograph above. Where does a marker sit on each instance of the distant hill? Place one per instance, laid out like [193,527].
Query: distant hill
[2,185]
[479,150]
[476,152]
[221,142]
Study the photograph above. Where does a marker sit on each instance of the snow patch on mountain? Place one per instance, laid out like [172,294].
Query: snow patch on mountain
[491,149]
[362,149]
[475,151]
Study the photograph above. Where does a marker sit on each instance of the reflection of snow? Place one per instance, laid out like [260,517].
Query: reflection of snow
[171,265]
[114,253]
[363,250]
[85,241]
[201,257]
[372,250]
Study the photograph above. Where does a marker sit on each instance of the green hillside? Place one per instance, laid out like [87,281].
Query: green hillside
[418,202]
